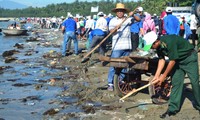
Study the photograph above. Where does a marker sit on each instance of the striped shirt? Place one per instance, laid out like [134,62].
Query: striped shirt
[121,39]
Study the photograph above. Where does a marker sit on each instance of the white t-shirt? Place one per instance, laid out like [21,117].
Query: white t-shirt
[193,22]
[101,23]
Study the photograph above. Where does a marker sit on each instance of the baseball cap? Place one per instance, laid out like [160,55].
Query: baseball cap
[100,14]
[149,39]
[140,9]
[168,9]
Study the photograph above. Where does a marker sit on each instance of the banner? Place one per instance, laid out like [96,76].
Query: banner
[95,9]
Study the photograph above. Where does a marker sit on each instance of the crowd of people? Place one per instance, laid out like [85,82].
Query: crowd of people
[89,27]
[167,34]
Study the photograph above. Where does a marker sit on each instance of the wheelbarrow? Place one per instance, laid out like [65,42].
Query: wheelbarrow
[133,72]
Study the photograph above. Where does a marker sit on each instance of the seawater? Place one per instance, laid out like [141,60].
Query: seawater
[30,72]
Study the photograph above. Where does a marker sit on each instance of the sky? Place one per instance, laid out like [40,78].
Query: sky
[43,3]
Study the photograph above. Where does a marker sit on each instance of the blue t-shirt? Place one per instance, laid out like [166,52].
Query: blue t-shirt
[70,25]
[135,26]
[171,25]
[98,32]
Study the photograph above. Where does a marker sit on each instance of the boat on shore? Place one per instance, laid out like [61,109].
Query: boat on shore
[4,19]
[14,32]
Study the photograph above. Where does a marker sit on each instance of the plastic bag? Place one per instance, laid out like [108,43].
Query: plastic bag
[141,43]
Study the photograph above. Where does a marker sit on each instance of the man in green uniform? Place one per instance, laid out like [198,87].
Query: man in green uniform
[198,36]
[183,60]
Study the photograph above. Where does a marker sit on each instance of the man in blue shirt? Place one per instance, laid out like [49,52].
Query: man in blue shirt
[69,28]
[97,37]
[135,29]
[171,23]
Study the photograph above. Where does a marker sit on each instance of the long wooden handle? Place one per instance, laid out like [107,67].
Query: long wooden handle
[136,90]
[122,59]
[116,28]
[98,45]
[143,87]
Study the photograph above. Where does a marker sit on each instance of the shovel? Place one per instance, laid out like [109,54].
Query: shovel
[86,58]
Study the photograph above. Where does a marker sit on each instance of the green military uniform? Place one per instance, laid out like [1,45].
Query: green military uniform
[198,34]
[180,50]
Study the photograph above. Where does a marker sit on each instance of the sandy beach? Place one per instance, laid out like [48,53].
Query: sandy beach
[77,90]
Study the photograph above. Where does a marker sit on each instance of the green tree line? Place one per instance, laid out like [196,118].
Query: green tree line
[83,8]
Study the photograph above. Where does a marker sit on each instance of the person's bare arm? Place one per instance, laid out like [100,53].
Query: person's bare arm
[63,29]
[161,64]
[162,77]
[137,18]
[169,68]
[142,31]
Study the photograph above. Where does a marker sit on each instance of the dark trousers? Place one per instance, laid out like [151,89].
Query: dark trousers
[187,66]
[193,37]
[134,41]
[182,32]
[95,41]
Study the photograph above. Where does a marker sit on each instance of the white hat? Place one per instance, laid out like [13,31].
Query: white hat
[145,13]
[149,39]
[88,17]
[110,15]
[100,14]
[168,9]
[140,9]
[70,15]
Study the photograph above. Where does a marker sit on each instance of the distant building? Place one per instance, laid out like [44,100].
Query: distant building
[182,11]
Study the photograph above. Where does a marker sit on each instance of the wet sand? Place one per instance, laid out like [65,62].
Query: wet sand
[46,86]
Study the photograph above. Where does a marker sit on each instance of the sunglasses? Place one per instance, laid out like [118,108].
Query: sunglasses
[120,10]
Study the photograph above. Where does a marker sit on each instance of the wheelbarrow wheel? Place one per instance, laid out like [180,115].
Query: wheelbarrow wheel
[123,85]
[160,94]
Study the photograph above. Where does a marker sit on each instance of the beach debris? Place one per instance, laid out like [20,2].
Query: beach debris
[51,111]
[38,86]
[4,67]
[88,109]
[28,53]
[29,98]
[142,106]
[9,53]
[9,59]
[32,39]
[30,103]
[53,62]
[19,46]
[52,54]
[43,71]
[25,74]
[5,101]
[52,81]
[21,84]
[13,80]
[67,69]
